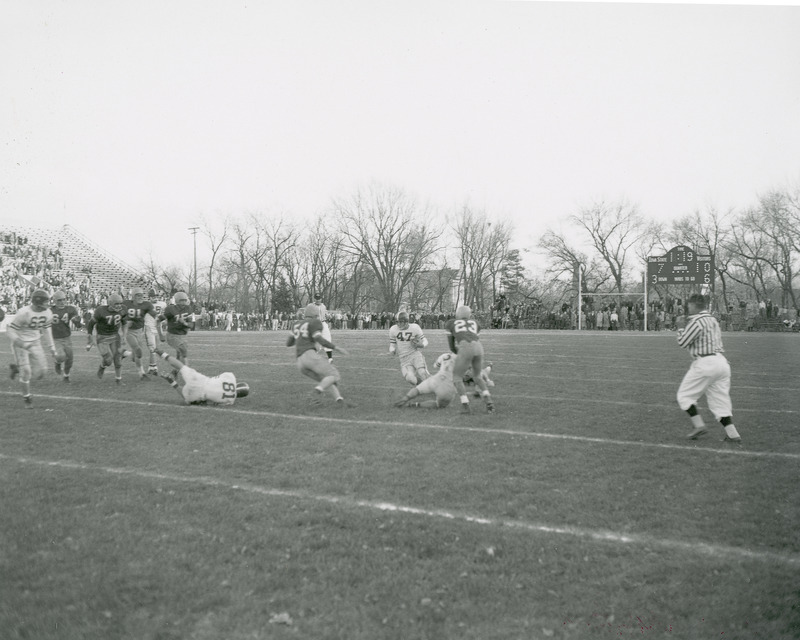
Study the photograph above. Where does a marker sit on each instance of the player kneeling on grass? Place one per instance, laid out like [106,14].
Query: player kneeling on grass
[440,385]
[200,389]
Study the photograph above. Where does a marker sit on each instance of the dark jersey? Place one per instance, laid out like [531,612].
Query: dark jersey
[63,319]
[137,312]
[304,332]
[461,331]
[178,319]
[106,321]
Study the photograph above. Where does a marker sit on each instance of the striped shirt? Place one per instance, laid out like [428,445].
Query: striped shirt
[702,335]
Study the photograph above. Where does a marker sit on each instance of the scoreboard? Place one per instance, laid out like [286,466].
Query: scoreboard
[681,265]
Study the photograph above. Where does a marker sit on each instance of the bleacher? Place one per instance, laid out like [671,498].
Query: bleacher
[80,256]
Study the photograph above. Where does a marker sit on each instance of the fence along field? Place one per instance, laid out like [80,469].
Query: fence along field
[577,509]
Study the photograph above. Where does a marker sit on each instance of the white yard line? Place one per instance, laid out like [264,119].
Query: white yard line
[392,424]
[684,546]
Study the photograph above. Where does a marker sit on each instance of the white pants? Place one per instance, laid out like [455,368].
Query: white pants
[711,376]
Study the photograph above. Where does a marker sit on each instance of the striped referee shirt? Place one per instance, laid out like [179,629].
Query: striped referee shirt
[701,336]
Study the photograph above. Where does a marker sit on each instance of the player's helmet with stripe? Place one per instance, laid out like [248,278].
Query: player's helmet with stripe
[60,299]
[115,302]
[463,312]
[181,299]
[242,389]
[40,299]
[312,311]
[402,319]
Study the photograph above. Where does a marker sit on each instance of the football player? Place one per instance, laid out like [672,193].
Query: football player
[485,373]
[64,317]
[110,324]
[25,334]
[179,319]
[150,330]
[326,330]
[464,341]
[439,384]
[406,339]
[306,336]
[136,309]
[201,389]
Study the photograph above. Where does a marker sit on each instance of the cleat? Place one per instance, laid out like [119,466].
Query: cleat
[400,403]
[101,371]
[465,408]
[696,433]
[732,440]
[66,378]
[315,398]
[167,377]
[153,372]
[490,407]
[14,370]
[118,381]
[28,402]
[58,368]
[143,376]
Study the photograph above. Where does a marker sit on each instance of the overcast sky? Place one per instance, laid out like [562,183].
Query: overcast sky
[130,120]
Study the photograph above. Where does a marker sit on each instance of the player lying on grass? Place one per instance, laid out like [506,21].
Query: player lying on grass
[439,384]
[485,373]
[200,389]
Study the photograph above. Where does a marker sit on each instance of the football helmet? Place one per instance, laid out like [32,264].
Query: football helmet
[115,302]
[402,319]
[312,311]
[181,299]
[242,389]
[60,299]
[463,312]
[40,299]
[137,294]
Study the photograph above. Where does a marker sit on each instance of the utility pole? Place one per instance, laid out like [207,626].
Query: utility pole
[194,231]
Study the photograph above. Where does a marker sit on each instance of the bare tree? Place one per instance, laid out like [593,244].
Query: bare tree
[708,230]
[166,279]
[216,241]
[387,231]
[614,230]
[482,249]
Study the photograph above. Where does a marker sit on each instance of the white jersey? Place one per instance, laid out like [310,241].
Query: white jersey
[406,341]
[197,387]
[445,363]
[158,306]
[29,324]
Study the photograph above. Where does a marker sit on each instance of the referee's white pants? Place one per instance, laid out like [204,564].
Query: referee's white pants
[326,331]
[711,376]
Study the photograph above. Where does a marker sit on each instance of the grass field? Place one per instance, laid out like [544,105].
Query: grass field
[577,510]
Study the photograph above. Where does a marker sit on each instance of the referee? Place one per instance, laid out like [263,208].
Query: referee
[709,373]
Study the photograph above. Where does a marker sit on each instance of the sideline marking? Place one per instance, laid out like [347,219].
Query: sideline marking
[436,427]
[350,503]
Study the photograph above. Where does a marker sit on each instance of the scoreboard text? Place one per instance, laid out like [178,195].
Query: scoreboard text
[681,265]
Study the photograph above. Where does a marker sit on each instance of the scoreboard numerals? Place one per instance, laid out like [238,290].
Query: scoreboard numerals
[681,265]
